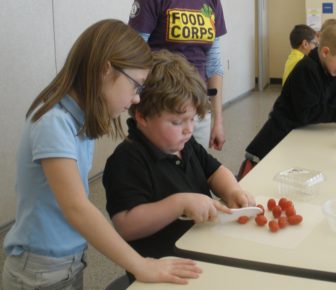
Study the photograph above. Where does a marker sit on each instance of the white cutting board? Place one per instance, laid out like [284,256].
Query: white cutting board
[289,237]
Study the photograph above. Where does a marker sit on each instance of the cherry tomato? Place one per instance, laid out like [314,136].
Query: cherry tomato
[261,220]
[295,219]
[288,204]
[243,219]
[282,221]
[290,211]
[262,208]
[273,226]
[277,211]
[271,203]
[282,202]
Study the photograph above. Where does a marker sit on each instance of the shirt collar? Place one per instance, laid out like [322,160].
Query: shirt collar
[73,108]
[135,134]
[297,52]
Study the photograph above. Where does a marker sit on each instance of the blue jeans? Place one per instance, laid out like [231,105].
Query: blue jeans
[30,271]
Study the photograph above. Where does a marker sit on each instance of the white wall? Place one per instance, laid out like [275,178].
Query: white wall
[74,16]
[29,59]
[78,15]
[27,63]
[283,16]
[238,48]
[35,38]
[316,6]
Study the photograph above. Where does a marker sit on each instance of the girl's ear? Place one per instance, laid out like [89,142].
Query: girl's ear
[140,119]
[107,70]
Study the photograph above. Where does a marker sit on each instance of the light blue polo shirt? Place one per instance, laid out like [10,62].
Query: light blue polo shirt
[40,226]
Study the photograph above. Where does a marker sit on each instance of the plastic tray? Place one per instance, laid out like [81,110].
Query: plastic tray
[299,183]
[329,209]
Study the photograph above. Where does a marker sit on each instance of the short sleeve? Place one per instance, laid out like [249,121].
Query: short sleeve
[209,163]
[144,15]
[126,180]
[53,135]
[219,19]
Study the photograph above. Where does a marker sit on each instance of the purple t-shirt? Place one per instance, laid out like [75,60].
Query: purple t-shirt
[185,26]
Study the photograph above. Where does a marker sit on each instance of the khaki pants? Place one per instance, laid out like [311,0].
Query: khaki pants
[202,130]
[30,271]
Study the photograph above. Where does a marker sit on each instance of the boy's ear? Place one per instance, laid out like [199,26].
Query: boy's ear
[324,51]
[304,43]
[140,119]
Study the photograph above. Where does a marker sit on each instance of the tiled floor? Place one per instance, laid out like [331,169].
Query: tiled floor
[242,120]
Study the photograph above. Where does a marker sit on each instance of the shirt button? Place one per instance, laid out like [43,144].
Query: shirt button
[178,162]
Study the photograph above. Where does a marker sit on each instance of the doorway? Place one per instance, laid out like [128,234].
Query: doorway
[262,44]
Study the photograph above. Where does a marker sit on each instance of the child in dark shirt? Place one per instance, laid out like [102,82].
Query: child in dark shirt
[302,39]
[160,172]
[308,97]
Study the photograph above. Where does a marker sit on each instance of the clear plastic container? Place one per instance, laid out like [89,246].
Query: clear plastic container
[329,209]
[299,183]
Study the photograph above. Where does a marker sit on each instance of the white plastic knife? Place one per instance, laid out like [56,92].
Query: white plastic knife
[236,213]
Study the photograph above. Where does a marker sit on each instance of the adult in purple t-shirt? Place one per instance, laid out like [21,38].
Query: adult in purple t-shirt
[192,28]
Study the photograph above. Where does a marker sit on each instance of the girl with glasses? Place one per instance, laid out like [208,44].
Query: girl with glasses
[54,218]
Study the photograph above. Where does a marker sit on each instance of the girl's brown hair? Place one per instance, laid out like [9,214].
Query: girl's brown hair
[171,84]
[105,41]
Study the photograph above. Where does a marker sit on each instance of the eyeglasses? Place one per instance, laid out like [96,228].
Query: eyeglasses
[138,87]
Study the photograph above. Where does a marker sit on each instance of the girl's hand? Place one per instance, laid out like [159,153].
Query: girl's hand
[176,271]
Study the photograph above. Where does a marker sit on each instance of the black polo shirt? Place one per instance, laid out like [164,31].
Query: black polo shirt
[138,172]
[307,97]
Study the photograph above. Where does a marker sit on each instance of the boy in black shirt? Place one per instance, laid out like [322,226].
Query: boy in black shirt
[308,97]
[160,172]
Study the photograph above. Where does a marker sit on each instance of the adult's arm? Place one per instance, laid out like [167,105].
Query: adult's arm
[215,72]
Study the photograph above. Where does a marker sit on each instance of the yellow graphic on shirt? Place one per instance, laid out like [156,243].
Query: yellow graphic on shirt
[191,25]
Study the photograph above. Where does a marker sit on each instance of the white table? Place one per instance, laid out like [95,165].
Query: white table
[307,250]
[219,277]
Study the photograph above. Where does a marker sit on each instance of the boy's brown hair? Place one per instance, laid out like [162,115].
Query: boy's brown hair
[171,84]
[330,21]
[328,38]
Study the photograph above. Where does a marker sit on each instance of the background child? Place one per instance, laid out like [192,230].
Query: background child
[192,28]
[302,39]
[330,21]
[307,97]
[102,76]
[160,172]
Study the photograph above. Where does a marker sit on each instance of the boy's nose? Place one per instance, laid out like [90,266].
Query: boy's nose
[189,127]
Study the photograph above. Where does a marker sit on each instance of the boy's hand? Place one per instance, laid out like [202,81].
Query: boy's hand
[201,208]
[176,271]
[240,198]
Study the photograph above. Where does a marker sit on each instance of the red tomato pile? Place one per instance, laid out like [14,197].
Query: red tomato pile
[283,212]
